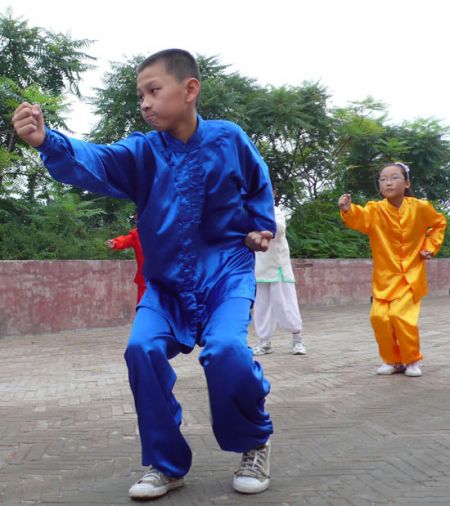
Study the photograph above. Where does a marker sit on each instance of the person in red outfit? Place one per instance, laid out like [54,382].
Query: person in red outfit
[131,240]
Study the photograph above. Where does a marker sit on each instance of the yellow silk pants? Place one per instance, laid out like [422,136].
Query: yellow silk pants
[395,325]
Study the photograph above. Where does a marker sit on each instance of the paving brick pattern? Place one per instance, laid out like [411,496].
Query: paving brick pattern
[344,436]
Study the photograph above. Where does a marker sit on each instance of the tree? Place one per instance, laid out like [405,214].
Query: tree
[427,151]
[116,104]
[227,95]
[366,141]
[33,55]
[294,132]
[65,228]
[360,142]
[21,171]
[38,66]
[316,231]
[314,153]
[223,95]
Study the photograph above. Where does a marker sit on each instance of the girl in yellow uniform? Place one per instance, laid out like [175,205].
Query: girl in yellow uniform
[403,232]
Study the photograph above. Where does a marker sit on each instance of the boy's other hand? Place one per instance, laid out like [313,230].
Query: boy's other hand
[258,241]
[426,254]
[110,243]
[28,122]
[345,202]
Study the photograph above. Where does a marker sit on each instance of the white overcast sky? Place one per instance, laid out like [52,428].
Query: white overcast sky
[397,51]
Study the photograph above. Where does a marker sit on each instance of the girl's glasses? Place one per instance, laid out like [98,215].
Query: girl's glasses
[393,179]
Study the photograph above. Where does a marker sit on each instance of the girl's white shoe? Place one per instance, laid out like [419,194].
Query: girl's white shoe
[413,370]
[385,369]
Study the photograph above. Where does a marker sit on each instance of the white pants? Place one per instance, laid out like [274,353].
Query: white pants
[276,303]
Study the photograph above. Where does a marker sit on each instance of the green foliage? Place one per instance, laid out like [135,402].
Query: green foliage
[33,55]
[66,228]
[316,230]
[360,134]
[314,153]
[116,104]
[36,66]
[445,250]
[427,151]
[368,142]
[294,132]
[226,95]
[223,96]
[21,171]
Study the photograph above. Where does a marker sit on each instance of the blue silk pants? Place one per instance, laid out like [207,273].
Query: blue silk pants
[236,385]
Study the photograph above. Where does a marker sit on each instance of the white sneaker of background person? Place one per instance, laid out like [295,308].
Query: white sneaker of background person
[298,345]
[263,349]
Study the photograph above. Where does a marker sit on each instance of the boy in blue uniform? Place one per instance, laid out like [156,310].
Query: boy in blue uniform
[205,204]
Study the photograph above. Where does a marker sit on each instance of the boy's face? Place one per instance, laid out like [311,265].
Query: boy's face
[164,101]
[392,182]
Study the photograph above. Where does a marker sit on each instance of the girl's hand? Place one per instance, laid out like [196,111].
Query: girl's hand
[426,254]
[345,202]
[258,241]
[29,124]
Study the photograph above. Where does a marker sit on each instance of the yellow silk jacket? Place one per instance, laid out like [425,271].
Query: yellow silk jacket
[396,238]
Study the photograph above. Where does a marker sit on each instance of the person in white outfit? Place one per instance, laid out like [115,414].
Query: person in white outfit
[276,298]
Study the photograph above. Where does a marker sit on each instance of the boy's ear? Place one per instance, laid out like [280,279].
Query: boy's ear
[192,89]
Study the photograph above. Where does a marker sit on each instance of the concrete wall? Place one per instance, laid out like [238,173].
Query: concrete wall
[335,282]
[49,296]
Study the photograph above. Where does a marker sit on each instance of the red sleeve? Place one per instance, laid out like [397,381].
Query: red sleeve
[124,241]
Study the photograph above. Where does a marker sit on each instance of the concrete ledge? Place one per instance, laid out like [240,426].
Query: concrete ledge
[38,296]
[333,282]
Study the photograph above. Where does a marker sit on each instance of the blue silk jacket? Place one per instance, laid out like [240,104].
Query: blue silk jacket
[196,203]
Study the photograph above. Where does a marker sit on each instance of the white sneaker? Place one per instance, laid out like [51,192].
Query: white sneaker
[253,475]
[385,369]
[299,349]
[263,349]
[413,370]
[154,484]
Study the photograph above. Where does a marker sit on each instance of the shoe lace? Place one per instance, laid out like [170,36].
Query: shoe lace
[253,463]
[152,475]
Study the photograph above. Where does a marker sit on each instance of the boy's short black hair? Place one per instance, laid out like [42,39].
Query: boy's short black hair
[178,62]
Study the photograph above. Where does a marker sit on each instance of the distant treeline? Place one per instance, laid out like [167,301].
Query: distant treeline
[314,152]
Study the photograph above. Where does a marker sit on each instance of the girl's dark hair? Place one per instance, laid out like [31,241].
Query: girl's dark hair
[405,171]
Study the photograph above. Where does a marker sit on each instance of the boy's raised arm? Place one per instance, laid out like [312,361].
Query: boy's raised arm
[103,169]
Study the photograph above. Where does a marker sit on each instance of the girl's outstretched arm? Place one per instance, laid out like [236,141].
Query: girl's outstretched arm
[354,216]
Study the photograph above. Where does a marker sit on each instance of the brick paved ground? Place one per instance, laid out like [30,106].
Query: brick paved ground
[344,436]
